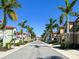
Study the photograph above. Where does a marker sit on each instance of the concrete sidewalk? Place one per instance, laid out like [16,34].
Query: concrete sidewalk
[71,54]
[5,53]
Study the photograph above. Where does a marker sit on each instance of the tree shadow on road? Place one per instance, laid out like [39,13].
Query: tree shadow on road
[52,57]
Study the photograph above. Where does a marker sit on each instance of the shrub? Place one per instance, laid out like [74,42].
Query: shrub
[25,42]
[17,44]
[8,46]
[1,45]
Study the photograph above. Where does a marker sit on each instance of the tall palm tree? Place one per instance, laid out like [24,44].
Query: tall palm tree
[43,36]
[22,25]
[68,10]
[52,25]
[33,35]
[29,29]
[8,10]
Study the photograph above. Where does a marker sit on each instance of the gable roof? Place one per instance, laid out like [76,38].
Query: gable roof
[9,27]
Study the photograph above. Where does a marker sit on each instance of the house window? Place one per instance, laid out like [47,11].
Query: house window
[77,26]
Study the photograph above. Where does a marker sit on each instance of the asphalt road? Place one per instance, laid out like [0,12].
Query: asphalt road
[36,50]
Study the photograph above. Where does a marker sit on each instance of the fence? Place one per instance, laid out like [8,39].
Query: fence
[71,38]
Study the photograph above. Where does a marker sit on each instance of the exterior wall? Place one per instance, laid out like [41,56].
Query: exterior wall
[74,32]
[71,27]
[78,37]
[61,31]
[9,35]
[54,34]
[73,36]
[1,35]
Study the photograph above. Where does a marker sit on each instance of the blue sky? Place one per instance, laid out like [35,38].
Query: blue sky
[37,12]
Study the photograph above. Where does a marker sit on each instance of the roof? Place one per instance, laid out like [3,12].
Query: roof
[9,27]
[18,33]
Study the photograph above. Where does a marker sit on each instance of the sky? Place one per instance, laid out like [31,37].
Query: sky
[38,12]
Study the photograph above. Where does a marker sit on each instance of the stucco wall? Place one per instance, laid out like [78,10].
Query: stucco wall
[9,33]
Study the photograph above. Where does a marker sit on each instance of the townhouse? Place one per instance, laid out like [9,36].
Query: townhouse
[71,38]
[8,36]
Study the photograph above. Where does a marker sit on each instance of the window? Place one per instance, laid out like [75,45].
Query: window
[77,28]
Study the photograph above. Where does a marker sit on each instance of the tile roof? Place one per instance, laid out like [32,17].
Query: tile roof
[9,27]
[18,33]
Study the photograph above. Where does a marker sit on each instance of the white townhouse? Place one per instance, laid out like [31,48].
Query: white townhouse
[9,34]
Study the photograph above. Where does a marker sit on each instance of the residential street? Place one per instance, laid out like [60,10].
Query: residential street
[36,50]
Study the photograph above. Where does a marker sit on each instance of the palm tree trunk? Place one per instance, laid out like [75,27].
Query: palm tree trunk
[67,40]
[22,35]
[3,27]
[47,38]
[51,36]
[67,23]
[44,38]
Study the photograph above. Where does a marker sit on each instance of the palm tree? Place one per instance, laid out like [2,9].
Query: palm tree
[49,27]
[22,25]
[45,34]
[8,10]
[68,10]
[33,36]
[29,29]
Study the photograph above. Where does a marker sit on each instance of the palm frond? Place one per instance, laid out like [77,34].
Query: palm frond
[25,26]
[3,1]
[74,14]
[62,9]
[54,21]
[14,4]
[61,18]
[50,20]
[67,3]
[19,24]
[73,3]
[12,15]
[13,1]
[47,25]
[55,25]
[24,21]
[65,23]
[1,7]
[17,5]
